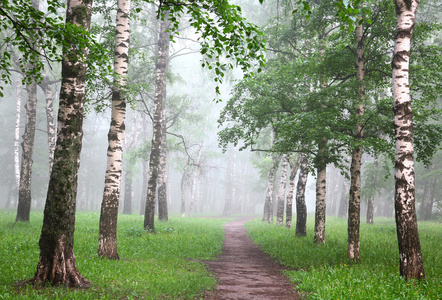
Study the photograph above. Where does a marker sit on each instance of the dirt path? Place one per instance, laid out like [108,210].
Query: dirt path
[243,271]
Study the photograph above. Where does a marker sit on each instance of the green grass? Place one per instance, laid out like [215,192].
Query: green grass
[160,266]
[323,271]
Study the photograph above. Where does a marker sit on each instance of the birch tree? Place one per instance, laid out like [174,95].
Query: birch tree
[354,204]
[57,260]
[24,191]
[281,192]
[155,152]
[107,240]
[410,255]
[289,202]
[301,207]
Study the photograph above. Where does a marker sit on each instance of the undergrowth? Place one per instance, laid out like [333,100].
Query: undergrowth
[322,271]
[151,266]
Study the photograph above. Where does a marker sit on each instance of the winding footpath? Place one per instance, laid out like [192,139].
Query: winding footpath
[243,271]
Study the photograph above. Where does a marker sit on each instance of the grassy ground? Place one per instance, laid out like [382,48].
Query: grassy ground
[323,272]
[159,266]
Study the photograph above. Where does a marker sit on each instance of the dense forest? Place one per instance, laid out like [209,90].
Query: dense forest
[290,110]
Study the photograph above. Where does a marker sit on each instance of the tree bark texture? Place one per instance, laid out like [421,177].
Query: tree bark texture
[163,213]
[354,203]
[268,204]
[289,204]
[107,238]
[162,186]
[160,83]
[301,207]
[46,87]
[320,209]
[17,133]
[281,192]
[24,193]
[57,260]
[411,266]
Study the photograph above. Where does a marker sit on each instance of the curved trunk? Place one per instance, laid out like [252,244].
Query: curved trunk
[57,260]
[107,238]
[281,194]
[411,266]
[354,203]
[301,207]
[24,193]
[160,82]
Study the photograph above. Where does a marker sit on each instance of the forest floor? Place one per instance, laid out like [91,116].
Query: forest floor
[243,271]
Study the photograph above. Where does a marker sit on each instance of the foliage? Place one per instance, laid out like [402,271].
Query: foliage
[40,36]
[306,95]
[322,271]
[151,266]
[223,32]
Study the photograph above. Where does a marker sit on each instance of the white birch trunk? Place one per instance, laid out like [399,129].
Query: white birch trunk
[107,240]
[17,132]
[411,266]
[281,193]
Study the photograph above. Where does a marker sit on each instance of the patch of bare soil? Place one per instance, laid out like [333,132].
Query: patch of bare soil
[243,271]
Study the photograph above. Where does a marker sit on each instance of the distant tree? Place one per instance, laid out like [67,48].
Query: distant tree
[24,191]
[281,191]
[289,202]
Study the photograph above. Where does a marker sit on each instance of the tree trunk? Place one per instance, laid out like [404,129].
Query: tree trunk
[428,198]
[107,238]
[24,194]
[130,143]
[343,203]
[183,194]
[144,188]
[289,205]
[370,202]
[268,204]
[281,194]
[354,203]
[45,85]
[301,207]
[227,210]
[163,213]
[320,204]
[411,266]
[17,133]
[127,204]
[162,187]
[160,83]
[57,260]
